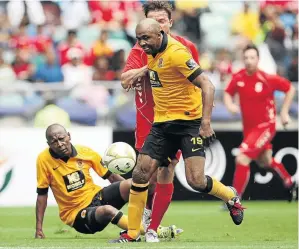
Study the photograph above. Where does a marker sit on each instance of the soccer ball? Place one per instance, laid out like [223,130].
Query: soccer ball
[120,158]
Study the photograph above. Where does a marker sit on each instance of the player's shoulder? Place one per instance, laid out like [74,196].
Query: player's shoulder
[239,74]
[264,75]
[183,40]
[174,45]
[44,155]
[84,151]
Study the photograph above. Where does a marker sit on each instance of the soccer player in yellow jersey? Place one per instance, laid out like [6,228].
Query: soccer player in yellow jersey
[182,120]
[83,205]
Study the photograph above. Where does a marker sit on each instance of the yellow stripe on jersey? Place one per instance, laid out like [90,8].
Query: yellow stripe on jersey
[171,73]
[70,181]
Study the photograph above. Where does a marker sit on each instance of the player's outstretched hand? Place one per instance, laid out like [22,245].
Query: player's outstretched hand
[285,119]
[39,234]
[207,133]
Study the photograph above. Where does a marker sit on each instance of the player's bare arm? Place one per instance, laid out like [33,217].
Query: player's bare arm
[284,113]
[208,91]
[229,103]
[115,178]
[41,205]
[129,78]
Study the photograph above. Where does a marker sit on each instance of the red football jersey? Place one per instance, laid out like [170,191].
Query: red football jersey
[256,94]
[143,92]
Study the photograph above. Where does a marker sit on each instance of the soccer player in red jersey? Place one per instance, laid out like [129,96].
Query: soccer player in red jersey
[159,199]
[256,96]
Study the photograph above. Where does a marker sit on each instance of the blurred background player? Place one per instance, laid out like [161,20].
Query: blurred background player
[160,194]
[182,120]
[256,97]
[83,205]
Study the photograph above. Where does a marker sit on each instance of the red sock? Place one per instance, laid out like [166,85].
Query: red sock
[282,172]
[241,178]
[161,201]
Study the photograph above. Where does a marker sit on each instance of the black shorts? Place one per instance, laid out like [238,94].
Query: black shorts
[85,221]
[166,138]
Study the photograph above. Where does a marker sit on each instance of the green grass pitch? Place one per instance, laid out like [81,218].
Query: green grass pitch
[267,225]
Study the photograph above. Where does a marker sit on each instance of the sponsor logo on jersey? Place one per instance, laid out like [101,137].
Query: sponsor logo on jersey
[154,79]
[73,181]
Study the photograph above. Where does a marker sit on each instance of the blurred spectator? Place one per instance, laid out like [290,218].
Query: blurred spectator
[101,70]
[50,71]
[101,46]
[20,39]
[246,22]
[42,42]
[75,72]
[113,14]
[16,11]
[191,12]
[292,72]
[275,41]
[215,77]
[51,114]
[4,30]
[118,62]
[224,64]
[70,42]
[21,65]
[74,14]
[7,75]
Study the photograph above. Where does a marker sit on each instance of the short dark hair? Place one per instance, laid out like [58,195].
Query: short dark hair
[156,6]
[251,46]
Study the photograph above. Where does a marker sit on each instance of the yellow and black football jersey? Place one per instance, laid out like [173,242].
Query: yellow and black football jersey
[70,180]
[171,72]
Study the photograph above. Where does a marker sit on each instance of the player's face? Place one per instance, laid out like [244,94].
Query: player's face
[161,17]
[251,60]
[149,40]
[60,143]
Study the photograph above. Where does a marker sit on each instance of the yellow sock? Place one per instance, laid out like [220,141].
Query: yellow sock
[123,224]
[221,191]
[137,201]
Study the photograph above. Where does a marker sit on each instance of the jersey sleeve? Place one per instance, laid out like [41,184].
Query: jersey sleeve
[98,166]
[231,87]
[183,62]
[43,177]
[279,83]
[135,60]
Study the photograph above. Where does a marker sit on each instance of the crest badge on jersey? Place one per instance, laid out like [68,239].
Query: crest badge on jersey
[191,64]
[160,63]
[240,83]
[258,87]
[80,164]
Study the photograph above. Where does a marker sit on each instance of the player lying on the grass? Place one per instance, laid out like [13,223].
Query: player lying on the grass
[182,120]
[83,205]
[256,96]
[136,64]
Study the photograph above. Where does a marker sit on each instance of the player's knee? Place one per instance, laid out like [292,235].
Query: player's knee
[144,169]
[106,211]
[242,159]
[197,183]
